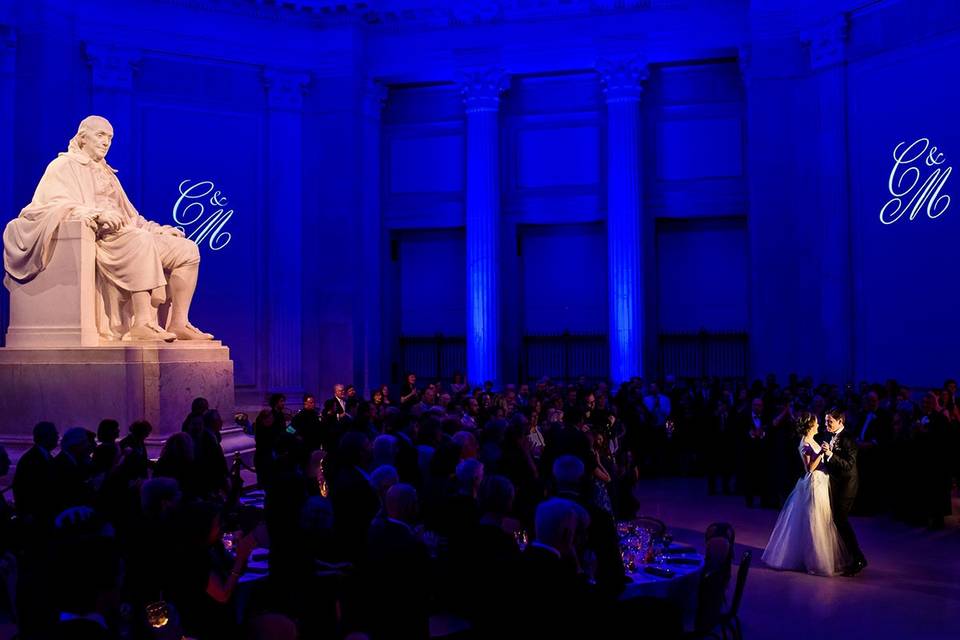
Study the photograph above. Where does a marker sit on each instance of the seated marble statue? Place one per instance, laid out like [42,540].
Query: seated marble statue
[141,261]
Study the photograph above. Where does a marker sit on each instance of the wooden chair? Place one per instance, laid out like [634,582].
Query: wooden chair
[731,619]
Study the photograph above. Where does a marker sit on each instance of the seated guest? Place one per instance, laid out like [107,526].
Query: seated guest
[384,450]
[396,572]
[601,534]
[552,599]
[198,576]
[34,488]
[88,586]
[72,469]
[460,511]
[382,478]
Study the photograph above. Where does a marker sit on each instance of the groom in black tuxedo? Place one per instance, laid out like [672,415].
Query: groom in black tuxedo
[840,462]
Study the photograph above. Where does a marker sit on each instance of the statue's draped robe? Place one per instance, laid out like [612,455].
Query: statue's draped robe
[133,258]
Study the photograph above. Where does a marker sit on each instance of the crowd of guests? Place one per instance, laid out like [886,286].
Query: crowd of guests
[496,508]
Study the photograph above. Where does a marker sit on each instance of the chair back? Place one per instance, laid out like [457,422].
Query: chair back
[741,581]
[721,529]
[711,599]
[717,556]
[657,528]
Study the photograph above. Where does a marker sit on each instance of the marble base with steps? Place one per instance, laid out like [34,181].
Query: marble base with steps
[79,386]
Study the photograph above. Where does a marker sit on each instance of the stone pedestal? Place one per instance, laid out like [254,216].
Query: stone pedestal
[58,307]
[79,386]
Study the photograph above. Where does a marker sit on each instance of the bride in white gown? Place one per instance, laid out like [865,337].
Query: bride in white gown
[805,537]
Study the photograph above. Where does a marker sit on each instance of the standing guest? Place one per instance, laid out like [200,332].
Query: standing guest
[108,451]
[278,405]
[409,394]
[265,434]
[753,473]
[134,446]
[34,486]
[177,461]
[306,423]
[932,437]
[720,448]
[385,390]
[211,463]
[334,414]
[72,469]
[378,408]
[198,407]
[872,433]
[354,501]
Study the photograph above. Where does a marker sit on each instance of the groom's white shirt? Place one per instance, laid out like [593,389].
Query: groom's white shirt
[829,453]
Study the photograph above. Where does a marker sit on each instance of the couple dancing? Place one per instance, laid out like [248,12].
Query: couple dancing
[813,533]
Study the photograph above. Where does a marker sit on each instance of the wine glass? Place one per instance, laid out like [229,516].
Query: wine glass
[158,614]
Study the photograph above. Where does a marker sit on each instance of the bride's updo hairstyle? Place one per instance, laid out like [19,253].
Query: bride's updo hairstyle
[803,422]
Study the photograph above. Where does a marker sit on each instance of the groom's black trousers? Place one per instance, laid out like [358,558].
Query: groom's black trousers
[841,513]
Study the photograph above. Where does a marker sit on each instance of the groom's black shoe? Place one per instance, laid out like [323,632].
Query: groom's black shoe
[855,568]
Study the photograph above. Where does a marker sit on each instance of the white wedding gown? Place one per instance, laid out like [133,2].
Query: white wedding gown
[805,537]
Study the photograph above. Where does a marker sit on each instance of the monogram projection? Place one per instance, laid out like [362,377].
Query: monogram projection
[198,223]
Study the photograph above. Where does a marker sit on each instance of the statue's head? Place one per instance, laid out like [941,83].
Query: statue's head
[93,138]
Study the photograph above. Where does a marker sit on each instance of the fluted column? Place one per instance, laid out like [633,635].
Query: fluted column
[828,66]
[283,249]
[112,70]
[371,239]
[622,88]
[8,84]
[481,94]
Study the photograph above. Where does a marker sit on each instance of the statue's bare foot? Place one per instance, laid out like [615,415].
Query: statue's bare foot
[149,331]
[190,332]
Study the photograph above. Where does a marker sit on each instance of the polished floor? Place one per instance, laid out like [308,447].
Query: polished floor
[910,590]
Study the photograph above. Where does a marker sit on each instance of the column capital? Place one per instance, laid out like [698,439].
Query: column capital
[285,88]
[374,98]
[827,42]
[481,89]
[622,79]
[113,67]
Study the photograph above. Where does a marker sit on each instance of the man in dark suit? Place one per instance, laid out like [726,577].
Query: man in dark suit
[720,448]
[307,424]
[553,599]
[354,500]
[396,571]
[756,461]
[840,462]
[873,432]
[33,483]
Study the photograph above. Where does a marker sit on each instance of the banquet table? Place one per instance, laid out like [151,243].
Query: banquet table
[674,577]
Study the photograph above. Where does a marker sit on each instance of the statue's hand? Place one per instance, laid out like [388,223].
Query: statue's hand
[167,230]
[110,219]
